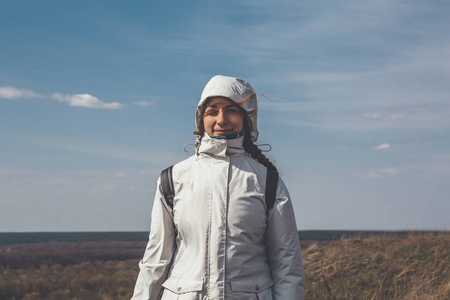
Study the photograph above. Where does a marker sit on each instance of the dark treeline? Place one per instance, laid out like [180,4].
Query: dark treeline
[336,235]
[10,238]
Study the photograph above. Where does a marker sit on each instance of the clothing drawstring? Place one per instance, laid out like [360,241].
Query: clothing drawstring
[190,144]
[264,150]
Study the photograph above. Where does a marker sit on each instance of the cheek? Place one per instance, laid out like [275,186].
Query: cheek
[207,124]
[238,122]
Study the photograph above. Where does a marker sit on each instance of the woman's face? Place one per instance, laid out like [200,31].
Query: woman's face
[222,116]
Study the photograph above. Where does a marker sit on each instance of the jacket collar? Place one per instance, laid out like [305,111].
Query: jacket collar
[221,147]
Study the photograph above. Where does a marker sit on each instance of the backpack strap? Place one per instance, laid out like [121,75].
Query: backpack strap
[167,185]
[271,188]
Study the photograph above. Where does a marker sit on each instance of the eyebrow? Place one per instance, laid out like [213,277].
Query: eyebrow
[227,106]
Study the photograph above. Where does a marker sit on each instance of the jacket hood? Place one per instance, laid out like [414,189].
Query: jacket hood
[235,89]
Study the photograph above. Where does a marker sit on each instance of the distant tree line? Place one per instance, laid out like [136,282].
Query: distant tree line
[11,238]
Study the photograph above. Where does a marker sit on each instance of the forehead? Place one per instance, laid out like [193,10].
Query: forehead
[220,101]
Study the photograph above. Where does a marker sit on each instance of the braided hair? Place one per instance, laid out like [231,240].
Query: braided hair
[251,148]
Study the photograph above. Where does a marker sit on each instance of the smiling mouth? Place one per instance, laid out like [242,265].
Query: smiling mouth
[223,132]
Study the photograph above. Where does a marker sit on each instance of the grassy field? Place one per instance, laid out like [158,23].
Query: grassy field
[414,267]
[380,267]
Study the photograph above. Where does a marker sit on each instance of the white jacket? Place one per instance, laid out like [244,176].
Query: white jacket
[219,242]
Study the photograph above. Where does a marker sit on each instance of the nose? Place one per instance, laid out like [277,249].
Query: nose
[221,118]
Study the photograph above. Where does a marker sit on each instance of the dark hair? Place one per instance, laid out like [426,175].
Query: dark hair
[248,144]
[250,147]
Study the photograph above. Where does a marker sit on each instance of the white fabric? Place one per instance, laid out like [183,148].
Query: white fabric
[235,89]
[218,241]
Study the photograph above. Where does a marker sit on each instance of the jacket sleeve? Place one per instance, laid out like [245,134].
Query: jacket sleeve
[283,248]
[159,251]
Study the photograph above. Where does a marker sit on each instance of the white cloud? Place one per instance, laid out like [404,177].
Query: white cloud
[142,103]
[382,172]
[386,83]
[382,147]
[86,100]
[80,100]
[10,92]
[373,116]
[326,77]
[384,117]
[329,115]
[105,187]
[121,175]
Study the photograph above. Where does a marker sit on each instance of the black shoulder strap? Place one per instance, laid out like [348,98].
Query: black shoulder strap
[271,187]
[167,185]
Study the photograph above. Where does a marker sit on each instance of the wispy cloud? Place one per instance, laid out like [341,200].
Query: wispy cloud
[86,100]
[385,117]
[360,81]
[382,172]
[80,100]
[382,147]
[10,92]
[142,103]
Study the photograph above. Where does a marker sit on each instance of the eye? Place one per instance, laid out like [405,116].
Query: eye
[211,111]
[233,110]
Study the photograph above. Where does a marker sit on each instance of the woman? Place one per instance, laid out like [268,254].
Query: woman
[220,241]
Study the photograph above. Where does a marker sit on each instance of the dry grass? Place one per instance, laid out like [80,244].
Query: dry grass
[415,267]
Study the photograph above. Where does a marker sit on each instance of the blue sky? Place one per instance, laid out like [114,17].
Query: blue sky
[97,97]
